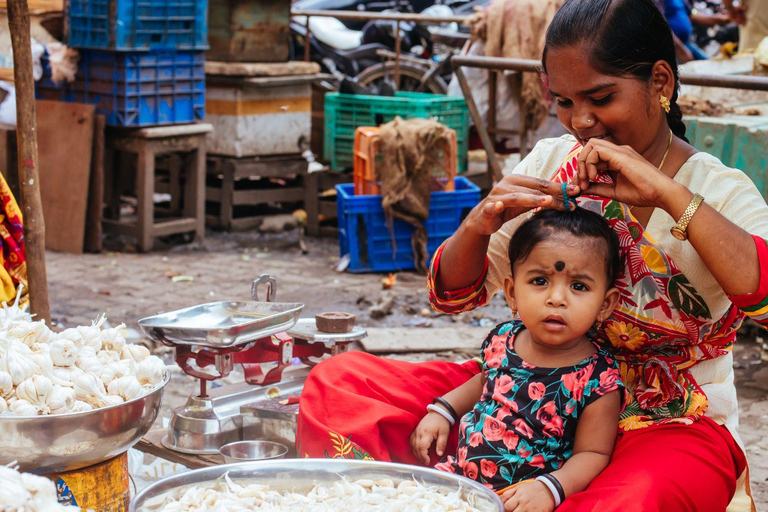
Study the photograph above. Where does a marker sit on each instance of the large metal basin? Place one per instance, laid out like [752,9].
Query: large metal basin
[63,442]
[300,475]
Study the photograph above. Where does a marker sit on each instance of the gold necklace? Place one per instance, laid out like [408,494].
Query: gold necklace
[663,158]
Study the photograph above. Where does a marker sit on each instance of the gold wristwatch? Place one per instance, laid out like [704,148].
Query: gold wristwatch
[679,230]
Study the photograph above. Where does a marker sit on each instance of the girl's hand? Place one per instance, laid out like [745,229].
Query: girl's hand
[432,427]
[513,195]
[636,181]
[529,497]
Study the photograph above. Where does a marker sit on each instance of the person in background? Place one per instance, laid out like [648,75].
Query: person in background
[753,15]
[681,18]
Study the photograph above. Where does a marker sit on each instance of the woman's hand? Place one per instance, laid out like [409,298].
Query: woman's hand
[636,181]
[432,427]
[529,497]
[513,195]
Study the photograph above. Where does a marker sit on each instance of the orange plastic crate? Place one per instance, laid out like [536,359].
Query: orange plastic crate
[366,154]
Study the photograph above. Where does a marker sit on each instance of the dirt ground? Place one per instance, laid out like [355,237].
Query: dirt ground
[128,286]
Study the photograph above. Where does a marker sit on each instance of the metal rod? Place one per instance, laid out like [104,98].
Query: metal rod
[306,41]
[492,102]
[752,83]
[397,51]
[368,16]
[494,169]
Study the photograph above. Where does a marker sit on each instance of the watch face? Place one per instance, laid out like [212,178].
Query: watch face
[678,233]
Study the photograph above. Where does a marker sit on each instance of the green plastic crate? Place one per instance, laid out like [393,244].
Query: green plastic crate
[344,113]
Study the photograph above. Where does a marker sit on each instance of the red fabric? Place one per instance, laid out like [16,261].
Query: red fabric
[751,299]
[355,405]
[666,468]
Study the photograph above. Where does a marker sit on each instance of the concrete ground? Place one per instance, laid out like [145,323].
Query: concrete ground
[128,286]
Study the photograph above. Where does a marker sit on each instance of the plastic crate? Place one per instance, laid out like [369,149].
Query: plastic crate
[138,24]
[364,233]
[344,113]
[135,88]
[367,156]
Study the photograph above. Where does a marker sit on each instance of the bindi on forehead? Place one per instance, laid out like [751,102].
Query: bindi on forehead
[559,266]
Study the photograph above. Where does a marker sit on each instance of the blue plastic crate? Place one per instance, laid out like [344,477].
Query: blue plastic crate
[138,24]
[135,88]
[365,235]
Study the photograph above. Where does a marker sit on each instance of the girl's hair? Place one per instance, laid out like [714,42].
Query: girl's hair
[580,223]
[624,37]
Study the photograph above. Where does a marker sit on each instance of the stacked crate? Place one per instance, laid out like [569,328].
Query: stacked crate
[141,61]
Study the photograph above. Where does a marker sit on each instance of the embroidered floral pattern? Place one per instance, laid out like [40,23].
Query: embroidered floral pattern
[525,422]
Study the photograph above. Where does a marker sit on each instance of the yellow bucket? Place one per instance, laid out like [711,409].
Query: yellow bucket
[102,488]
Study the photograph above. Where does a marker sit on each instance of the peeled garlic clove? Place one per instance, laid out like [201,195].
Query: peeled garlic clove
[61,400]
[63,352]
[150,371]
[136,353]
[22,408]
[6,383]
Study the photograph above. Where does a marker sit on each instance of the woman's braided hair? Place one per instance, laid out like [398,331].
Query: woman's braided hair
[625,37]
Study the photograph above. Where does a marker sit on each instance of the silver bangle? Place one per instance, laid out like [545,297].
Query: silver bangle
[442,412]
[556,495]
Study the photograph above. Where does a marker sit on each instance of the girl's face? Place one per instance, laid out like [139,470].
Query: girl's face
[593,105]
[561,288]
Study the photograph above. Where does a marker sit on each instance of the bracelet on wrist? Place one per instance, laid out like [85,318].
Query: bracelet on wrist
[553,484]
[442,412]
[448,407]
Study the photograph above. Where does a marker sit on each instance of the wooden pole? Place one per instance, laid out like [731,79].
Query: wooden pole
[34,225]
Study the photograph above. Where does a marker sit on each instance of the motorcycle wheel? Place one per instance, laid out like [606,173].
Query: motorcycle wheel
[411,77]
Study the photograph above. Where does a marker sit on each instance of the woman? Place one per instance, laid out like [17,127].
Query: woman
[610,65]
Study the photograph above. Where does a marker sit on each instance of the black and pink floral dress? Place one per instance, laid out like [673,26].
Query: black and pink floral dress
[525,422]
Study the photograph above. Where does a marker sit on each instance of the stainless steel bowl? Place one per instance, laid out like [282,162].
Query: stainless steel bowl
[300,475]
[63,442]
[242,451]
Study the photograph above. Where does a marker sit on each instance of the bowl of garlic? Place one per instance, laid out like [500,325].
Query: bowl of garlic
[72,399]
[320,485]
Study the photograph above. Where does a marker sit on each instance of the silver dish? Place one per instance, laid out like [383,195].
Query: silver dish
[306,329]
[242,451]
[300,475]
[63,442]
[222,324]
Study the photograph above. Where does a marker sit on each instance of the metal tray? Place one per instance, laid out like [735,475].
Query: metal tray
[300,475]
[306,329]
[222,324]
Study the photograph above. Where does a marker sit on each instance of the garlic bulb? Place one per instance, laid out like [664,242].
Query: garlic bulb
[36,391]
[44,366]
[90,389]
[67,374]
[116,370]
[87,361]
[126,387]
[24,492]
[74,336]
[136,353]
[61,400]
[6,384]
[149,372]
[22,408]
[112,339]
[63,352]
[107,357]
[14,361]
[80,406]
[92,333]
[112,400]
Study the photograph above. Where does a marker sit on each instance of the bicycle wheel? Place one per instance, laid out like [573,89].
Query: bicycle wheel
[411,77]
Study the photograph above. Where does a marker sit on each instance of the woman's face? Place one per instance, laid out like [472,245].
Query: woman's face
[593,105]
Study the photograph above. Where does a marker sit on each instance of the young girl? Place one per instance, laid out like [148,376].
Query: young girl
[544,411]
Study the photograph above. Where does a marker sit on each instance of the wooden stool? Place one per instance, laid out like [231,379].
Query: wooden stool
[224,174]
[147,144]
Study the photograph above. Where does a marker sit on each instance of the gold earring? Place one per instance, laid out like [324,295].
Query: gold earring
[598,324]
[664,103]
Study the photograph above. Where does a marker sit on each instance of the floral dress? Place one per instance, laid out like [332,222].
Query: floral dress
[525,422]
